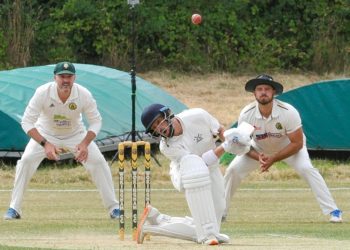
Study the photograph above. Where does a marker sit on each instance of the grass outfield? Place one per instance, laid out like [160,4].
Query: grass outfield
[260,219]
[62,210]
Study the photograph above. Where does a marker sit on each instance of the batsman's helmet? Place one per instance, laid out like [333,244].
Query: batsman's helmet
[151,113]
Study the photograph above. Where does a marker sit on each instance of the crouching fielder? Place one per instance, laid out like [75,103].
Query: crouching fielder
[278,136]
[188,140]
[53,120]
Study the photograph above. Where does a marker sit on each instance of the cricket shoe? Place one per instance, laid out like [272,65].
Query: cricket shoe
[336,216]
[223,238]
[154,217]
[115,214]
[211,240]
[12,214]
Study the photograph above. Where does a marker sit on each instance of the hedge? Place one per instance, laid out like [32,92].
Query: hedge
[235,36]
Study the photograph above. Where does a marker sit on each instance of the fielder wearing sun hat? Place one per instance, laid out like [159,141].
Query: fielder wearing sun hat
[263,79]
[64,68]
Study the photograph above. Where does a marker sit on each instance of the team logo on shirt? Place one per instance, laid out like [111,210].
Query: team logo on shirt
[198,138]
[62,122]
[52,105]
[268,135]
[279,126]
[72,106]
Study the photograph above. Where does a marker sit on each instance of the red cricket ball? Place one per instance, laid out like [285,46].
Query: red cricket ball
[196,19]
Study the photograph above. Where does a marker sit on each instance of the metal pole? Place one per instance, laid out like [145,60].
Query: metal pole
[133,70]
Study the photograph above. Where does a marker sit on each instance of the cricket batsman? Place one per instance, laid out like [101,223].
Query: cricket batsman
[188,139]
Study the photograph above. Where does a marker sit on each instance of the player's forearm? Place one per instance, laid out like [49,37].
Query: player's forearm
[34,133]
[221,133]
[289,150]
[90,136]
[253,154]
[219,151]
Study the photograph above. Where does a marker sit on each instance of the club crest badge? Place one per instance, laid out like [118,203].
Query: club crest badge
[65,66]
[198,138]
[72,106]
[279,126]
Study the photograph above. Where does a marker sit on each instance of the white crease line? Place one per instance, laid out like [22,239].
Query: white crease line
[285,236]
[174,190]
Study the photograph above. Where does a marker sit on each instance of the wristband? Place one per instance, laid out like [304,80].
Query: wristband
[210,158]
[226,146]
[43,142]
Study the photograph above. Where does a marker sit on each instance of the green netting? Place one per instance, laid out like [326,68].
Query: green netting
[111,89]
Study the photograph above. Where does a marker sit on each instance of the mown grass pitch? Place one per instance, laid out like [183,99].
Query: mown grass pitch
[265,214]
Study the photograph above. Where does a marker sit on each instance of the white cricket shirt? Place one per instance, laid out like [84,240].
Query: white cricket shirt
[199,132]
[47,113]
[270,134]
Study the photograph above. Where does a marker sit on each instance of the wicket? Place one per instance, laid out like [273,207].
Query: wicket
[134,168]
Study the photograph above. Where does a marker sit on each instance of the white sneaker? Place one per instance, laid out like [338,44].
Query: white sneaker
[223,238]
[153,214]
[336,216]
[211,240]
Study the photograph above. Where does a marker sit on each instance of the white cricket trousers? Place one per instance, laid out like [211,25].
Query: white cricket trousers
[241,166]
[186,227]
[95,164]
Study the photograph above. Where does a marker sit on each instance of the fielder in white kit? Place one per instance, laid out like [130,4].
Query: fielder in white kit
[189,141]
[278,136]
[53,120]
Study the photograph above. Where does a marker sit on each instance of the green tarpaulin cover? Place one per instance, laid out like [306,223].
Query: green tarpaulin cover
[325,109]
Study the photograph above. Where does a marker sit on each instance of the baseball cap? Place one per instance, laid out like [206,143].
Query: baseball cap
[263,79]
[64,68]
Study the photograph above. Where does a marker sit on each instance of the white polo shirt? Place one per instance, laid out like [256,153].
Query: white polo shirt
[270,134]
[46,112]
[199,135]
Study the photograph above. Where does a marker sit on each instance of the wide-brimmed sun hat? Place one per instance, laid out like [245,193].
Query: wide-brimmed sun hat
[263,79]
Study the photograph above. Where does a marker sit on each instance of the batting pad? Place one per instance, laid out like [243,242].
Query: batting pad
[197,185]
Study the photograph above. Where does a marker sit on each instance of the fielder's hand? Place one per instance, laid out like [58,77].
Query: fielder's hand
[265,162]
[81,152]
[51,151]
